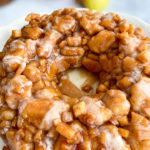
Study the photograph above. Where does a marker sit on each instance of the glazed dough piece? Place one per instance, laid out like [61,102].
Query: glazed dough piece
[117,102]
[42,112]
[139,137]
[64,24]
[111,140]
[15,142]
[91,111]
[15,56]
[17,88]
[102,41]
[140,96]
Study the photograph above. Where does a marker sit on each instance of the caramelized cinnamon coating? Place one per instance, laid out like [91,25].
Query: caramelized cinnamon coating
[107,107]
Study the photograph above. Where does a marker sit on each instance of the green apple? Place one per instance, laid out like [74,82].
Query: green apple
[98,5]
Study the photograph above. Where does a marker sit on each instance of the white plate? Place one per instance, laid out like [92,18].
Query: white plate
[5,33]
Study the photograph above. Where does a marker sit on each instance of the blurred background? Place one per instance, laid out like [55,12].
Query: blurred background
[14,9]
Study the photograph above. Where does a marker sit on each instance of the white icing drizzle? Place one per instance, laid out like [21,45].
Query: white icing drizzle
[48,26]
[10,59]
[10,86]
[16,44]
[113,140]
[130,47]
[65,26]
[144,87]
[47,44]
[54,113]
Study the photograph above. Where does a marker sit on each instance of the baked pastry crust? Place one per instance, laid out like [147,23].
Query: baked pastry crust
[36,113]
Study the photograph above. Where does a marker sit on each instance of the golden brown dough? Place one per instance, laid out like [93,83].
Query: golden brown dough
[42,109]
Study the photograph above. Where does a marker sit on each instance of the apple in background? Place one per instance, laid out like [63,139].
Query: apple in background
[98,5]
